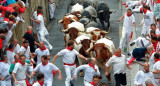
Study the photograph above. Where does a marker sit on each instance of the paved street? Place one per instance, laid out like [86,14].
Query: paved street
[56,39]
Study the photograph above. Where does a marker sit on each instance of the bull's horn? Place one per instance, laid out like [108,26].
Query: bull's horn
[87,32]
[89,49]
[64,30]
[60,21]
[105,32]
[93,41]
[77,43]
[108,38]
[84,16]
[85,23]
[79,15]
[73,20]
[101,11]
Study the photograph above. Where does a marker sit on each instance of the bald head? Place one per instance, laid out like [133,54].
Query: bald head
[149,49]
[41,44]
[118,52]
[93,61]
[146,67]
[30,28]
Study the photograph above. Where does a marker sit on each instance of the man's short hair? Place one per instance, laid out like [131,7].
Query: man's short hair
[70,42]
[102,84]
[129,9]
[156,55]
[39,7]
[40,76]
[145,6]
[15,14]
[96,76]
[39,11]
[25,41]
[22,56]
[153,25]
[4,57]
[44,57]
[11,46]
[154,38]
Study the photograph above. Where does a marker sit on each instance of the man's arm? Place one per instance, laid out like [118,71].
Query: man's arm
[82,67]
[15,80]
[60,74]
[120,19]
[50,1]
[54,58]
[110,61]
[1,77]
[156,72]
[36,21]
[82,57]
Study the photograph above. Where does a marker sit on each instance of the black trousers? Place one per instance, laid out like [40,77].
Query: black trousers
[120,79]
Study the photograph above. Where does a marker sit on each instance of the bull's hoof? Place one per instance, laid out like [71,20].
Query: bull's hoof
[81,74]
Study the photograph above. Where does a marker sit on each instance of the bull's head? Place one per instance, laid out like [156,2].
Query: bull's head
[86,43]
[102,52]
[65,21]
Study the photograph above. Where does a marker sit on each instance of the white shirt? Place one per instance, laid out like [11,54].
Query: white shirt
[141,42]
[40,53]
[4,70]
[25,51]
[156,66]
[148,18]
[46,70]
[128,22]
[10,56]
[68,56]
[118,63]
[36,84]
[141,76]
[41,25]
[151,60]
[16,49]
[89,72]
[20,71]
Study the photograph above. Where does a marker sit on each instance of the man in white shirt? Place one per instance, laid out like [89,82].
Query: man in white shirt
[42,50]
[149,82]
[69,55]
[10,54]
[89,69]
[51,4]
[40,80]
[19,72]
[142,75]
[25,49]
[156,70]
[5,77]
[148,19]
[46,68]
[42,32]
[127,30]
[17,46]
[119,64]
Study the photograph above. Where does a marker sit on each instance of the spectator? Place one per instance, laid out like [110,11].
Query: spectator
[40,80]
[156,12]
[142,75]
[5,77]
[17,46]
[10,53]
[51,8]
[95,81]
[2,37]
[119,63]
[90,70]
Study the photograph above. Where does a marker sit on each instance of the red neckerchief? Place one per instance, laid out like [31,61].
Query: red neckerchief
[29,32]
[152,52]
[92,83]
[157,60]
[41,83]
[91,66]
[45,64]
[151,85]
[42,49]
[6,19]
[155,45]
[158,1]
[129,15]
[145,11]
[21,62]
[24,47]
[141,9]
[3,61]
[68,48]
[116,55]
[54,73]
[9,49]
[39,14]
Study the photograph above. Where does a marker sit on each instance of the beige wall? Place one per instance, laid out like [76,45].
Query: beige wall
[21,28]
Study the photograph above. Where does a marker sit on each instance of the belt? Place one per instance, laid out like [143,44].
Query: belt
[69,64]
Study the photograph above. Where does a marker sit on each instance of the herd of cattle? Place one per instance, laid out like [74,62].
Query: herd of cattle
[87,24]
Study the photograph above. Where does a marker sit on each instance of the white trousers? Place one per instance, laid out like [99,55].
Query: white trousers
[51,10]
[6,83]
[21,83]
[137,10]
[69,73]
[157,82]
[131,3]
[145,30]
[43,36]
[125,38]
[47,83]
[87,83]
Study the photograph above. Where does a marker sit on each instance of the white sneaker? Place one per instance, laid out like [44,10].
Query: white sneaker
[50,48]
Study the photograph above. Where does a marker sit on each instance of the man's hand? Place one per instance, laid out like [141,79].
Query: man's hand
[16,82]
[119,20]
[106,73]
[75,77]
[31,18]
[140,24]
[134,24]
[140,85]
[2,79]
[129,67]
[59,77]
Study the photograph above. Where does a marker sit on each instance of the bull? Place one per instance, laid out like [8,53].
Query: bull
[103,13]
[103,49]
[77,10]
[93,3]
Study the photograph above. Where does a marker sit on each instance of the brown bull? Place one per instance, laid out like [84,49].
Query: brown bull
[102,54]
[85,46]
[67,20]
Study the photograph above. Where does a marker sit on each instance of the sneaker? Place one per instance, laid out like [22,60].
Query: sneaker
[50,48]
